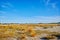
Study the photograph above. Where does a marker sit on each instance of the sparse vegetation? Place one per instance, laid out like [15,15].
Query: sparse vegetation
[21,31]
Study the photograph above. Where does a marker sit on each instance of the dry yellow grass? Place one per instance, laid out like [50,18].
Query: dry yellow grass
[23,30]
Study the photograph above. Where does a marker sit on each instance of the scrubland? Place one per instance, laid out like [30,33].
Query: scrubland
[29,31]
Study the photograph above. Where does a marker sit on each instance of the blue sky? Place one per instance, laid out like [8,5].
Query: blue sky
[29,11]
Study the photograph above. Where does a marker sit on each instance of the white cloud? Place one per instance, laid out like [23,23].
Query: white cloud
[46,19]
[36,19]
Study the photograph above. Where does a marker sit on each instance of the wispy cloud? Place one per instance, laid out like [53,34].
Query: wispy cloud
[7,5]
[35,19]
[45,19]
[52,5]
